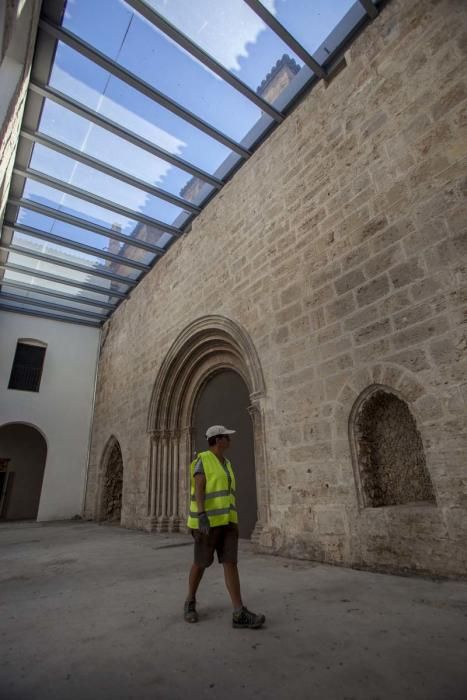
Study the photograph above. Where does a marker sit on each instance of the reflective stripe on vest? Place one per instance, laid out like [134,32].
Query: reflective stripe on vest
[219,499]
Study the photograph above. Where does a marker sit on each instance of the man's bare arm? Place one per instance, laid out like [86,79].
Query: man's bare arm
[200,490]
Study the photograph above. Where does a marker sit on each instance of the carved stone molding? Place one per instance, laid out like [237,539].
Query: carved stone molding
[207,346]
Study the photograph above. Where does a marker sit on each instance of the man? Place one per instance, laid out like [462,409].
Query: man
[214,525]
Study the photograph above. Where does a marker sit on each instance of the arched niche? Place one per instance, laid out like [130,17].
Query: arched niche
[206,347]
[387,451]
[111,486]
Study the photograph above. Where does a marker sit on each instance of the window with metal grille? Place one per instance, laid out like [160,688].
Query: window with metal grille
[26,372]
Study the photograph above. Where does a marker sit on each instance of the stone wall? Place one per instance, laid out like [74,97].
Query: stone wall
[338,249]
[16,51]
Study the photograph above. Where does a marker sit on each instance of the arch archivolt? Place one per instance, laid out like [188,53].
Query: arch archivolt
[209,345]
[360,386]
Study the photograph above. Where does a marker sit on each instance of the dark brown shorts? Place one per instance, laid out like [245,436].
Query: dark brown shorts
[222,539]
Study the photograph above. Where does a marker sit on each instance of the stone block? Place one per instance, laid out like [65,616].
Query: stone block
[340,308]
[383,261]
[372,332]
[406,273]
[420,332]
[414,360]
[331,521]
[349,281]
[337,364]
[361,318]
[372,291]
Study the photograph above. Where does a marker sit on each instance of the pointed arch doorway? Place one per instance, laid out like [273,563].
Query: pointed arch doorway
[224,400]
[208,348]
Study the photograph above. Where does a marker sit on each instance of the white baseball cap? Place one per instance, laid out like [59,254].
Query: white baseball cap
[215,430]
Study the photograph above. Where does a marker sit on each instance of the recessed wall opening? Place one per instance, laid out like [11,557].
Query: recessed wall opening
[111,508]
[23,453]
[224,400]
[389,454]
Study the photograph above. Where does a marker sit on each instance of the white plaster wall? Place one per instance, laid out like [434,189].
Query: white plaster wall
[62,410]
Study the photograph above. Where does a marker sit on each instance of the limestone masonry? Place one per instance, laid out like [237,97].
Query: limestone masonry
[328,272]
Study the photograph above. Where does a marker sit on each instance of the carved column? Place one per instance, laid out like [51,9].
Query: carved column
[175,519]
[262,477]
[163,482]
[154,479]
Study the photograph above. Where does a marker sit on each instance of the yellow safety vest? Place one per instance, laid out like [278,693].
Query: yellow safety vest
[219,500]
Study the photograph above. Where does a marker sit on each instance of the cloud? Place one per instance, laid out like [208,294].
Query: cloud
[223,29]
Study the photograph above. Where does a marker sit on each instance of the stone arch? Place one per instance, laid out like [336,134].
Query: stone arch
[397,379]
[110,493]
[207,346]
[387,450]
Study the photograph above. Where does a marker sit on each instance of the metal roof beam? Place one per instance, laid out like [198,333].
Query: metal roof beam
[370,8]
[31,272]
[50,317]
[74,245]
[279,29]
[50,305]
[63,100]
[152,16]
[96,200]
[102,167]
[144,88]
[58,295]
[87,225]
[95,272]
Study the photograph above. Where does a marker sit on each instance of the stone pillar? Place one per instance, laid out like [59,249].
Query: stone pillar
[262,478]
[153,481]
[185,457]
[175,520]
[163,482]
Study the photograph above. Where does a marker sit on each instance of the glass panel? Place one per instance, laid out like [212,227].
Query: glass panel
[72,256]
[76,76]
[13,276]
[238,39]
[71,172]
[51,197]
[75,275]
[34,294]
[148,53]
[49,312]
[311,23]
[73,130]
[68,204]
[348,23]
[74,233]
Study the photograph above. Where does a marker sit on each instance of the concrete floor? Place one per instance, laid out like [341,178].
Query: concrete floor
[95,612]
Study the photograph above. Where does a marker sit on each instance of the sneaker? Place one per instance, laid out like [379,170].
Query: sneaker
[245,618]
[189,611]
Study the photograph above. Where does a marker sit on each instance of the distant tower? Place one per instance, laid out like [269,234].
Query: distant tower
[278,79]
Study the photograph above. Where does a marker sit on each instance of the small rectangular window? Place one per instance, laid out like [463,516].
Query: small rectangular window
[27,367]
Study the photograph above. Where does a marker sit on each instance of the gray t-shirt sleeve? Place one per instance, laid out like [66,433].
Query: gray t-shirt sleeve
[199,469]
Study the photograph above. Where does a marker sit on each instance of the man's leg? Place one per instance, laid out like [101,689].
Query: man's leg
[242,617]
[203,556]
[194,579]
[232,581]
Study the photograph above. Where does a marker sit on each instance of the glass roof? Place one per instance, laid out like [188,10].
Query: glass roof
[138,126]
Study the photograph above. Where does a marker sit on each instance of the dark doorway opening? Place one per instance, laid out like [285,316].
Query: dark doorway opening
[23,452]
[224,400]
